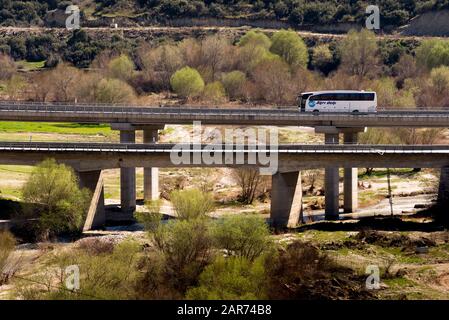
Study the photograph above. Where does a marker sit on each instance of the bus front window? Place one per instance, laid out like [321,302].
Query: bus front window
[302,102]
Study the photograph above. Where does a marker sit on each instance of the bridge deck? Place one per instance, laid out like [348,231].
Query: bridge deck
[56,112]
[192,148]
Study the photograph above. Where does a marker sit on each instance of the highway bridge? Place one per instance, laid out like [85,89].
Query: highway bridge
[89,159]
[291,157]
[88,113]
[127,155]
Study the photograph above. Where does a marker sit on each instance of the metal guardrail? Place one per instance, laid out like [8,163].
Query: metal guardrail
[167,148]
[185,109]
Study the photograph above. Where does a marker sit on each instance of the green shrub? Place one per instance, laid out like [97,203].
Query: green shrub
[121,67]
[191,203]
[52,191]
[187,82]
[440,79]
[231,279]
[255,38]
[242,236]
[214,92]
[7,243]
[113,91]
[233,82]
[322,58]
[102,276]
[290,47]
[186,247]
[433,53]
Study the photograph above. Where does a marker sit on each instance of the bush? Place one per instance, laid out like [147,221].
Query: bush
[323,59]
[191,203]
[113,91]
[53,193]
[359,53]
[440,79]
[242,236]
[254,38]
[185,246]
[290,47]
[302,271]
[7,243]
[96,246]
[274,82]
[160,63]
[187,82]
[233,82]
[433,53]
[106,276]
[7,67]
[121,68]
[231,279]
[214,92]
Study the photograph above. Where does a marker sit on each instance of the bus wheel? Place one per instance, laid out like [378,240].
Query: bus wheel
[355,111]
[316,111]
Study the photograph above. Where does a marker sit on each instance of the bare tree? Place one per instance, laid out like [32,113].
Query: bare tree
[7,67]
[59,84]
[160,63]
[248,179]
[359,53]
[312,177]
[273,79]
[215,52]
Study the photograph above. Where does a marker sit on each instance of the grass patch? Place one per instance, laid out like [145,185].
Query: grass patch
[324,236]
[30,65]
[440,252]
[368,198]
[48,127]
[10,193]
[16,169]
[403,257]
[399,282]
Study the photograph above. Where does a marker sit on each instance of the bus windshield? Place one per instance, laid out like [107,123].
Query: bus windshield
[302,101]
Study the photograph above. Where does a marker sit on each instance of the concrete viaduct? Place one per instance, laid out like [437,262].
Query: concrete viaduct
[128,119]
[286,206]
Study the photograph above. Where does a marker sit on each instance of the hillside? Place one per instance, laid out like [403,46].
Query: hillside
[335,14]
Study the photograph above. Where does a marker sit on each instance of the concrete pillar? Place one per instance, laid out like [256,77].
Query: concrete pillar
[128,177]
[286,199]
[331,184]
[150,174]
[93,180]
[350,182]
[443,189]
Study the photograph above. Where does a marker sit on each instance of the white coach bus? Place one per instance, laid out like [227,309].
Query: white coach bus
[338,101]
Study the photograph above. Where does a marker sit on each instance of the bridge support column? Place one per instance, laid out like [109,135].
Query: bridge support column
[286,199]
[443,189]
[350,182]
[331,184]
[93,180]
[150,174]
[128,177]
